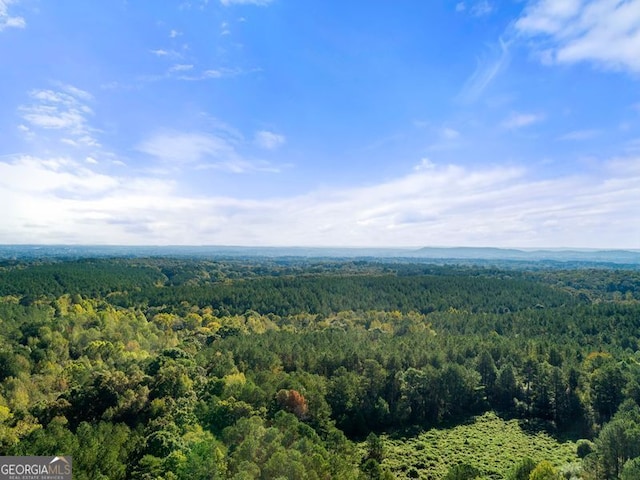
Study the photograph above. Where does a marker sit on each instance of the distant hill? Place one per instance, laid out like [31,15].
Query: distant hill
[480,255]
[559,255]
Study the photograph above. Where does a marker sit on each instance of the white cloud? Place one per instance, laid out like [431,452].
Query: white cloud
[62,201]
[64,110]
[603,32]
[425,164]
[520,120]
[269,140]
[180,67]
[460,7]
[174,33]
[6,19]
[46,116]
[481,8]
[55,175]
[260,3]
[212,73]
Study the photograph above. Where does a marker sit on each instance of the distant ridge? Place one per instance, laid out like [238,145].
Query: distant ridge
[560,255]
[481,255]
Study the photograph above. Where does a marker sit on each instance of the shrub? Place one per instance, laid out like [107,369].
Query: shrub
[584,448]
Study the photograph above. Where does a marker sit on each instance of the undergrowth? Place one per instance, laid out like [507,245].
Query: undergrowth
[489,443]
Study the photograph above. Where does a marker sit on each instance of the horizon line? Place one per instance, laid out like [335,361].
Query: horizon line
[323,247]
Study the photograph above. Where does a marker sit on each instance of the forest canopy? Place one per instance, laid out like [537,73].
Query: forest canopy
[177,368]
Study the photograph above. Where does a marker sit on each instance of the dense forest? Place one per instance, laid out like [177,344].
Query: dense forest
[266,368]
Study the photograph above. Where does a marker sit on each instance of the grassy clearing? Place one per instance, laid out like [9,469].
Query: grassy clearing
[489,443]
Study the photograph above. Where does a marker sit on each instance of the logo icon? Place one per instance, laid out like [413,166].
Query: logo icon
[36,468]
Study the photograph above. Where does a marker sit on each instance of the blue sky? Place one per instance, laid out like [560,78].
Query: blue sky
[321,123]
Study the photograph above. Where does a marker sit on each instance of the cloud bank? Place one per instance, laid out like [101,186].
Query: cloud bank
[65,201]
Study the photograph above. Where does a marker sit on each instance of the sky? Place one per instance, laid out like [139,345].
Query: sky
[504,123]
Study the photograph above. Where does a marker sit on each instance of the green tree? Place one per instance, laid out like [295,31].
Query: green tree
[103,451]
[285,464]
[459,392]
[522,470]
[375,448]
[506,389]
[419,397]
[631,470]
[205,460]
[344,397]
[618,442]
[486,367]
[545,471]
[607,384]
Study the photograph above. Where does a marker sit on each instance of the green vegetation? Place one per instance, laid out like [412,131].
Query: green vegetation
[491,445]
[166,368]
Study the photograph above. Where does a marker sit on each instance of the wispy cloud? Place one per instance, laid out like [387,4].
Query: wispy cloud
[180,67]
[446,138]
[190,73]
[160,52]
[6,19]
[180,148]
[488,67]
[269,140]
[578,135]
[202,150]
[425,164]
[64,110]
[520,120]
[449,133]
[481,8]
[260,3]
[212,74]
[602,32]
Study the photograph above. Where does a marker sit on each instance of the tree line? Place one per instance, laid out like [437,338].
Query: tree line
[191,371]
